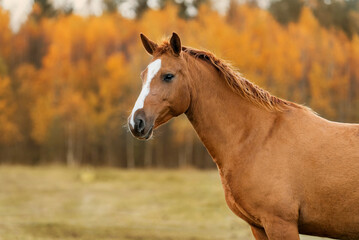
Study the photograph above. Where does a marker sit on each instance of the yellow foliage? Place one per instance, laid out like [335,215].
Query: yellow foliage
[9,131]
[320,90]
[5,35]
[88,76]
[42,114]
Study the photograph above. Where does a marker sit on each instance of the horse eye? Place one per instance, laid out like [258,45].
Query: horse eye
[168,77]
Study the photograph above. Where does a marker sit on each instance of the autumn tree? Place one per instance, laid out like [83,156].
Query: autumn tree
[68,83]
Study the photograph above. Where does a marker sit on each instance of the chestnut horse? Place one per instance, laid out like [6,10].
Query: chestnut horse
[284,169]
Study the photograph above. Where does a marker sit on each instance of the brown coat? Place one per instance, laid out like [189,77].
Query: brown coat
[284,169]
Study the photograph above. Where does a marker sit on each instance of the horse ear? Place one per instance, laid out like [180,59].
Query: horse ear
[149,45]
[176,44]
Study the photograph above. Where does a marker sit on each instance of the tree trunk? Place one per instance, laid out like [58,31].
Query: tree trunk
[159,154]
[185,154]
[110,159]
[189,149]
[181,157]
[148,154]
[129,151]
[70,158]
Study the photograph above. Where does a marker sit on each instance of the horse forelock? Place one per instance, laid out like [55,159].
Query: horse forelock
[163,48]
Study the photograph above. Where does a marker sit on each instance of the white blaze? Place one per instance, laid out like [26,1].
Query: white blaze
[152,70]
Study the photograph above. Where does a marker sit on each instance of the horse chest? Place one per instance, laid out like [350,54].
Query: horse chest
[235,206]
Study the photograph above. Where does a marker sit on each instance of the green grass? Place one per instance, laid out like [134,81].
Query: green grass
[89,204]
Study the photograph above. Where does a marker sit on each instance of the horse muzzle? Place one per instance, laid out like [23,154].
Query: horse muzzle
[140,127]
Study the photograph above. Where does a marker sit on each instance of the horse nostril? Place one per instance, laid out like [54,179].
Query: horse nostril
[139,124]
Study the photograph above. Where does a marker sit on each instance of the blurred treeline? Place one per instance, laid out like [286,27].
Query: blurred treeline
[68,83]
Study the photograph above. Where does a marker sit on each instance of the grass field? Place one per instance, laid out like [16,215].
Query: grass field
[60,203]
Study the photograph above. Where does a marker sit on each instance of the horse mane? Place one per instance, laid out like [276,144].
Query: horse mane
[235,81]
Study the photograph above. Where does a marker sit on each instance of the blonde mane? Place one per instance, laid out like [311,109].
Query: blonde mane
[236,82]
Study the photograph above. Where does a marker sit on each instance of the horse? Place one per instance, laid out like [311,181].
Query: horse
[284,170]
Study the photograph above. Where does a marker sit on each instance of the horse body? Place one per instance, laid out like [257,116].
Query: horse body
[292,165]
[285,171]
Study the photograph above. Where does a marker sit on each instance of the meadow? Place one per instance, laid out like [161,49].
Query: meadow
[54,202]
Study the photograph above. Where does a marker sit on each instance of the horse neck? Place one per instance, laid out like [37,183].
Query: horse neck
[226,123]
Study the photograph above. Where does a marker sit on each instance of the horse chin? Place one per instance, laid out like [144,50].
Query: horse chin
[148,135]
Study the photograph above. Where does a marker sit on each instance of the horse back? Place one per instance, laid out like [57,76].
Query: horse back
[327,179]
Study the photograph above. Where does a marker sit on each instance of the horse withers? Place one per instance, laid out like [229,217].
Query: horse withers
[284,169]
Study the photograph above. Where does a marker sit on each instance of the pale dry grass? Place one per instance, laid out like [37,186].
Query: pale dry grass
[60,203]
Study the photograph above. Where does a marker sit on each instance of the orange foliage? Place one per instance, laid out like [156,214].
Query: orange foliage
[88,73]
[8,128]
